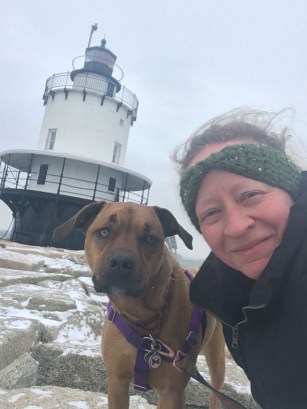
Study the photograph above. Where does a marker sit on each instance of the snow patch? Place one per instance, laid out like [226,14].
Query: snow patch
[78,404]
[15,398]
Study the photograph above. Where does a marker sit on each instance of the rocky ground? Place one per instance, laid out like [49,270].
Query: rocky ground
[50,331]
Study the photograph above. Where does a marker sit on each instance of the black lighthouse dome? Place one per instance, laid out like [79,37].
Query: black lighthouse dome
[99,60]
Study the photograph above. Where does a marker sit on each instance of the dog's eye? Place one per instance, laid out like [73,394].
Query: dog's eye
[150,239]
[103,233]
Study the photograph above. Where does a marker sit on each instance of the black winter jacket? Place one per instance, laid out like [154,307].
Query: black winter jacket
[265,321]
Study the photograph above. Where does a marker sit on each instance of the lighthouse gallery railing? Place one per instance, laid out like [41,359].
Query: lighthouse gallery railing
[90,82]
[11,178]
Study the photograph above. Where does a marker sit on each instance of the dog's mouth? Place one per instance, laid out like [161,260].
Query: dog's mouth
[119,287]
[120,275]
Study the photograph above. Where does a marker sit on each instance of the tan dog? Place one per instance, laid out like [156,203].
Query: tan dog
[125,249]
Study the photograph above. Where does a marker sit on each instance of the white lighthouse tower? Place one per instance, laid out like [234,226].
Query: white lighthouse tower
[80,153]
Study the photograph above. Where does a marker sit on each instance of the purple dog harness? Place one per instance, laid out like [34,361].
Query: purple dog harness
[151,352]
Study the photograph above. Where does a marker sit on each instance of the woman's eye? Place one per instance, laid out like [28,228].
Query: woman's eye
[210,216]
[103,233]
[251,194]
[211,212]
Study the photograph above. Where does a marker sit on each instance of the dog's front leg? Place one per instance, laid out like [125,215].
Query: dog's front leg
[171,401]
[118,394]
[215,357]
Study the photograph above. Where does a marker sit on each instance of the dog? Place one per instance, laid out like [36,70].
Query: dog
[149,297]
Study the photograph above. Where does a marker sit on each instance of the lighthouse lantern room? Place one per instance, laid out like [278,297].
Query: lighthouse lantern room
[80,153]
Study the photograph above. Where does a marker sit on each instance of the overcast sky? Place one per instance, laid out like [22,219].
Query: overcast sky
[185,60]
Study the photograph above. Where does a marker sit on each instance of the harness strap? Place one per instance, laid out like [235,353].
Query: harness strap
[141,370]
[131,335]
[144,344]
[181,360]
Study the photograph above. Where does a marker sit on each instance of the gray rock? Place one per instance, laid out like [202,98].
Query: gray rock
[50,334]
[10,277]
[54,397]
[11,260]
[17,336]
[21,373]
[75,367]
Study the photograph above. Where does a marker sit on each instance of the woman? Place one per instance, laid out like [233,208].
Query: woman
[249,201]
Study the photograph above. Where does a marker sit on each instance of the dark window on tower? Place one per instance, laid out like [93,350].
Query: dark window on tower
[110,89]
[112,183]
[42,174]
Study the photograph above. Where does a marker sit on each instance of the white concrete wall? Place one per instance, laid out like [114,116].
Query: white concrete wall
[78,178]
[85,128]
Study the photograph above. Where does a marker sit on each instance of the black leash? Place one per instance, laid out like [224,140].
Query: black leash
[228,402]
[190,369]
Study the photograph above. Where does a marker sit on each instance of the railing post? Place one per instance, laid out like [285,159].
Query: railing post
[17,180]
[61,176]
[96,182]
[144,183]
[29,171]
[126,182]
[4,174]
[147,196]
[67,76]
[51,86]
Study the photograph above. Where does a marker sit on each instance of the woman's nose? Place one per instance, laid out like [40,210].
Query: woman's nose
[237,221]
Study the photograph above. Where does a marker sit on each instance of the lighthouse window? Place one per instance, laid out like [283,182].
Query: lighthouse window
[50,139]
[110,89]
[42,174]
[116,153]
[112,183]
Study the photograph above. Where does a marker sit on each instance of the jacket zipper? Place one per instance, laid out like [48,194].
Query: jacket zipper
[235,337]
[235,329]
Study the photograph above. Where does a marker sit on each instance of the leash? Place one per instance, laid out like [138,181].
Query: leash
[186,366]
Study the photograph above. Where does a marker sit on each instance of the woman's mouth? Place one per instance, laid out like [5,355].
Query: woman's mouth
[252,246]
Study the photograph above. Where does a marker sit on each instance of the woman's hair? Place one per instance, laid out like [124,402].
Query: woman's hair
[256,125]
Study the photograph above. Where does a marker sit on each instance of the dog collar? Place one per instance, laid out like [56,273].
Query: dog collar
[153,324]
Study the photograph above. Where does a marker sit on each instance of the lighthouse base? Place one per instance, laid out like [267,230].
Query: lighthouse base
[35,217]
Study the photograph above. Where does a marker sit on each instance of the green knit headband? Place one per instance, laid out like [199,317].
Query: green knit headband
[259,162]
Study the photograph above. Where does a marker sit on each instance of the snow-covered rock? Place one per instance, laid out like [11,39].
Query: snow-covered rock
[50,332]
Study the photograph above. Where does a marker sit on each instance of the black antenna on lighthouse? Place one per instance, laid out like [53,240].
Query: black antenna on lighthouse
[94,28]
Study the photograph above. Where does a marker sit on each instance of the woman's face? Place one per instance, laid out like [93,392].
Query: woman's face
[242,220]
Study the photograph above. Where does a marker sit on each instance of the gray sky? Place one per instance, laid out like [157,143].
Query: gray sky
[186,60]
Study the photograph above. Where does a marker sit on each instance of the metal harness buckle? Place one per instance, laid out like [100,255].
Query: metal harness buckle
[112,313]
[179,357]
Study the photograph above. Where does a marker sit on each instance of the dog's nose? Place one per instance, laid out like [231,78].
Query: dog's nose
[122,263]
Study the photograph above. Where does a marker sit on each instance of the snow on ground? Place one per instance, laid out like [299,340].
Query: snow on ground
[54,287]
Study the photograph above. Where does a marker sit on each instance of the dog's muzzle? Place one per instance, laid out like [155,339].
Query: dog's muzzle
[119,275]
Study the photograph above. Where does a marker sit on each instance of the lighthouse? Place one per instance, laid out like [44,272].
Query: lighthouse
[80,153]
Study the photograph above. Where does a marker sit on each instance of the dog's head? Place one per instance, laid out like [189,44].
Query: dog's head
[124,243]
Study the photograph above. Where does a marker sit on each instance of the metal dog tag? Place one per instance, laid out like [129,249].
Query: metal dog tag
[153,359]
[147,355]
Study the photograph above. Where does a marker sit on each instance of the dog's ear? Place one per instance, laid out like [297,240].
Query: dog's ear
[80,220]
[172,227]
